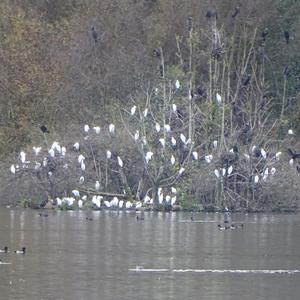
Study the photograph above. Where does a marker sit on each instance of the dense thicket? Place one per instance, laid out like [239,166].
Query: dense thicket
[56,70]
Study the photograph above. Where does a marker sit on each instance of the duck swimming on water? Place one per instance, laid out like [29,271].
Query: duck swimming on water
[22,251]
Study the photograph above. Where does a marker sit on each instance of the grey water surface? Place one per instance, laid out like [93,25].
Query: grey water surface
[114,256]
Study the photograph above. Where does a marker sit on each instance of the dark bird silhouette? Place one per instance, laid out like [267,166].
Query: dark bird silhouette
[235,13]
[94,34]
[264,34]
[139,218]
[161,70]
[44,129]
[43,214]
[246,80]
[4,250]
[190,23]
[89,219]
[286,36]
[211,13]
[156,53]
[293,154]
[298,168]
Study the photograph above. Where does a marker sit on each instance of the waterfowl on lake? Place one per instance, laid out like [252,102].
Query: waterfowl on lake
[140,218]
[43,214]
[89,219]
[22,251]
[237,226]
[223,227]
[4,250]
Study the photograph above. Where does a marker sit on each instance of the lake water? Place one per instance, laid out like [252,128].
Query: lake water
[69,257]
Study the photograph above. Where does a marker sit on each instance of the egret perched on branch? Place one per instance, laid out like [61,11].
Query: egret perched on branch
[290,132]
[173,141]
[148,156]
[277,155]
[181,171]
[108,154]
[23,157]
[76,146]
[37,150]
[177,84]
[162,141]
[63,151]
[120,162]
[173,200]
[81,158]
[256,179]
[51,152]
[82,165]
[215,144]
[13,169]
[81,180]
[136,135]
[76,193]
[111,128]
[229,171]
[208,158]
[218,98]
[133,110]
[145,112]
[86,128]
[217,173]
[263,153]
[97,185]
[174,107]
[183,138]
[273,171]
[121,203]
[157,127]
[173,190]
[97,129]
[195,155]
[172,160]
[167,128]
[128,205]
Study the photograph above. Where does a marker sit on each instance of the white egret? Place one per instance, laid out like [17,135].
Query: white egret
[51,152]
[76,146]
[133,110]
[177,84]
[173,190]
[58,201]
[159,190]
[147,199]
[215,144]
[80,203]
[82,166]
[145,112]
[263,153]
[181,171]
[13,169]
[121,203]
[81,158]
[37,165]
[148,156]
[160,198]
[45,161]
[247,156]
[162,141]
[256,179]
[218,98]
[290,132]
[223,172]
[136,135]
[156,91]
[23,157]
[208,158]
[111,128]
[97,129]
[81,180]
[277,155]
[173,141]
[273,171]
[128,205]
[84,198]
[138,205]
[172,160]
[173,200]
[37,150]
[291,162]
[217,173]
[167,128]
[114,202]
[76,193]
[174,107]
[229,171]
[157,127]
[63,151]
[107,203]
[144,140]
[231,150]
[108,154]
[183,138]
[195,155]
[97,185]
[120,162]
[86,128]
[168,198]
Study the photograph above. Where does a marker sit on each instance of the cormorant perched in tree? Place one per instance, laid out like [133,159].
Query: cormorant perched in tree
[264,34]
[161,70]
[44,129]
[293,154]
[211,14]
[156,53]
[236,11]
[246,80]
[94,34]
[286,36]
